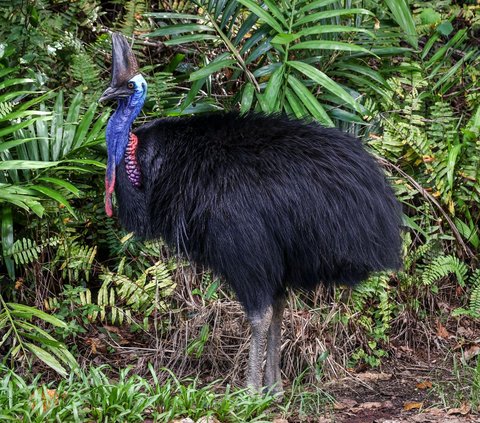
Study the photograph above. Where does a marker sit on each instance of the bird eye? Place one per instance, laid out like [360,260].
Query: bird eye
[130,85]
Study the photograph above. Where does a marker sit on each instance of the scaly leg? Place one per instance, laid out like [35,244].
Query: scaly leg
[273,376]
[260,324]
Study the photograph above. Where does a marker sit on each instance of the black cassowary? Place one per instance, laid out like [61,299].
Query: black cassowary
[267,202]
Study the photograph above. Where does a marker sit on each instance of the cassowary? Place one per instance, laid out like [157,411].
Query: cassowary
[266,202]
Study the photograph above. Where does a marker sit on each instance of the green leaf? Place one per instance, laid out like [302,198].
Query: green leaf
[284,38]
[62,183]
[56,127]
[10,144]
[55,196]
[402,15]
[445,28]
[314,17]
[35,312]
[329,84]
[47,358]
[180,29]
[452,161]
[189,39]
[84,125]
[295,104]
[271,94]
[429,16]
[330,29]
[173,15]
[330,45]
[262,14]
[309,101]
[25,164]
[7,239]
[212,67]
[247,97]
[276,12]
[316,5]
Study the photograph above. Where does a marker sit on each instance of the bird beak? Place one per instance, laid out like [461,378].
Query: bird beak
[113,93]
[108,94]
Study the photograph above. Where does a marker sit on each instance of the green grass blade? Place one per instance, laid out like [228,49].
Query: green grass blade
[190,39]
[314,17]
[25,164]
[7,239]
[180,29]
[271,94]
[212,67]
[61,183]
[262,14]
[47,358]
[401,13]
[56,127]
[247,97]
[54,195]
[330,45]
[329,84]
[70,125]
[35,312]
[309,101]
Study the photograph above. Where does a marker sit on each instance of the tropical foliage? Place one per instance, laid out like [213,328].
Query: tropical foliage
[401,75]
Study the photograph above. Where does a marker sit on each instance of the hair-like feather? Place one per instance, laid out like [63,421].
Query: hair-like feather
[266,202]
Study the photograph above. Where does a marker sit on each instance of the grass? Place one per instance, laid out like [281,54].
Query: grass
[462,388]
[91,396]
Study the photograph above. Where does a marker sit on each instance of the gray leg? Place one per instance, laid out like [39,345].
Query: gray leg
[273,376]
[260,325]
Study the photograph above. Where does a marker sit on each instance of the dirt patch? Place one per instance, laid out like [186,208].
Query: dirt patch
[401,396]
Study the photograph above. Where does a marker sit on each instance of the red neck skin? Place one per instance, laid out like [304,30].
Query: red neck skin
[132,169]
[131,163]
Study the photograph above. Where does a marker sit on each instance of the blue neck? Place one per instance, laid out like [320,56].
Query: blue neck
[120,123]
[118,130]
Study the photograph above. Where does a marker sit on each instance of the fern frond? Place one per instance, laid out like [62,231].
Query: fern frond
[85,71]
[441,267]
[5,108]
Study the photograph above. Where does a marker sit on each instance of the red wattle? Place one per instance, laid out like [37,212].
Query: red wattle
[109,188]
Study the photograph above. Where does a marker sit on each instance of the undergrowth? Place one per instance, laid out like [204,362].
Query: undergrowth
[94,396]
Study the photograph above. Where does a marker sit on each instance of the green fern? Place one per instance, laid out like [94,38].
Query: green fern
[25,251]
[6,107]
[474,282]
[120,296]
[441,267]
[85,71]
[132,20]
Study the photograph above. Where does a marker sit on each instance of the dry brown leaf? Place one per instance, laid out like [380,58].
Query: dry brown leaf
[113,329]
[426,384]
[472,352]
[345,403]
[372,376]
[370,405]
[96,345]
[280,421]
[412,406]
[463,409]
[442,331]
[49,398]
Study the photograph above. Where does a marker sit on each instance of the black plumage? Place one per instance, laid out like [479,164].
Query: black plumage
[266,202]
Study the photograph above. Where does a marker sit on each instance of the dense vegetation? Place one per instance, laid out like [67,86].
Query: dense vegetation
[75,289]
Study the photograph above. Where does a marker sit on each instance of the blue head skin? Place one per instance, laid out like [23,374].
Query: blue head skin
[129,88]
[118,130]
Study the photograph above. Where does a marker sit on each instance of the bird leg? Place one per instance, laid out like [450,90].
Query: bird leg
[273,376]
[260,324]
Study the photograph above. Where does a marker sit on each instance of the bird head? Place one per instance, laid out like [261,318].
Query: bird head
[126,78]
[129,88]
